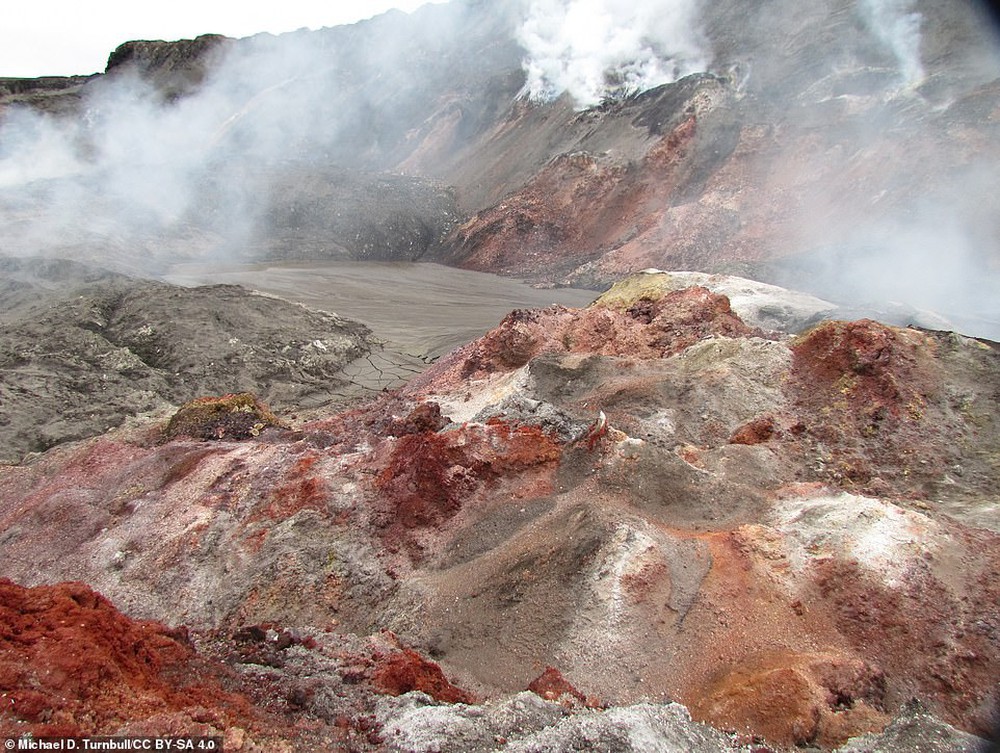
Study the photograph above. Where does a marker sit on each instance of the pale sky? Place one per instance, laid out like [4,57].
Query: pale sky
[66,37]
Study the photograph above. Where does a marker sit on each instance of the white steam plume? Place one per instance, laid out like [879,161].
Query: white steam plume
[897,25]
[139,175]
[593,49]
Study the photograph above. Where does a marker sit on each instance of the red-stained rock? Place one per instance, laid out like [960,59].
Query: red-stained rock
[301,490]
[578,207]
[405,670]
[70,663]
[427,476]
[757,431]
[551,685]
[875,366]
[425,417]
[557,219]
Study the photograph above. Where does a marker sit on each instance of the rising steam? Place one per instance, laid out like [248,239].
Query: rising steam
[143,175]
[897,25]
[198,176]
[594,49]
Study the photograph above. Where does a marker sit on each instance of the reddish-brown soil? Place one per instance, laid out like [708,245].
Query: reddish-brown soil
[428,476]
[71,664]
[405,670]
[796,700]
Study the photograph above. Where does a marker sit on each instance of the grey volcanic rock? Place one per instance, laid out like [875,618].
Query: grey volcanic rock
[914,729]
[527,724]
[347,215]
[82,349]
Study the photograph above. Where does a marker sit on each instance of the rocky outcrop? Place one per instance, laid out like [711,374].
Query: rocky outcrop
[790,535]
[238,416]
[172,68]
[82,350]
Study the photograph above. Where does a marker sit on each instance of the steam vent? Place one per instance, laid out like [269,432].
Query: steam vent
[519,376]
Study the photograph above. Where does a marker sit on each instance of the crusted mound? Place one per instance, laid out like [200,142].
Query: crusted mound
[793,536]
[82,349]
[238,416]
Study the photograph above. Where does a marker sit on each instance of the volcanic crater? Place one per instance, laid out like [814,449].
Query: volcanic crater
[663,510]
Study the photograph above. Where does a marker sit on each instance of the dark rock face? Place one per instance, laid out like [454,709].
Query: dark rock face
[174,68]
[82,350]
[349,215]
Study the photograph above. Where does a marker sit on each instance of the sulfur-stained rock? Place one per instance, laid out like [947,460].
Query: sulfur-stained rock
[239,416]
[646,330]
[758,304]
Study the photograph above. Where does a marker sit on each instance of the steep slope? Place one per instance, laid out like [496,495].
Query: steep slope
[807,163]
[792,536]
